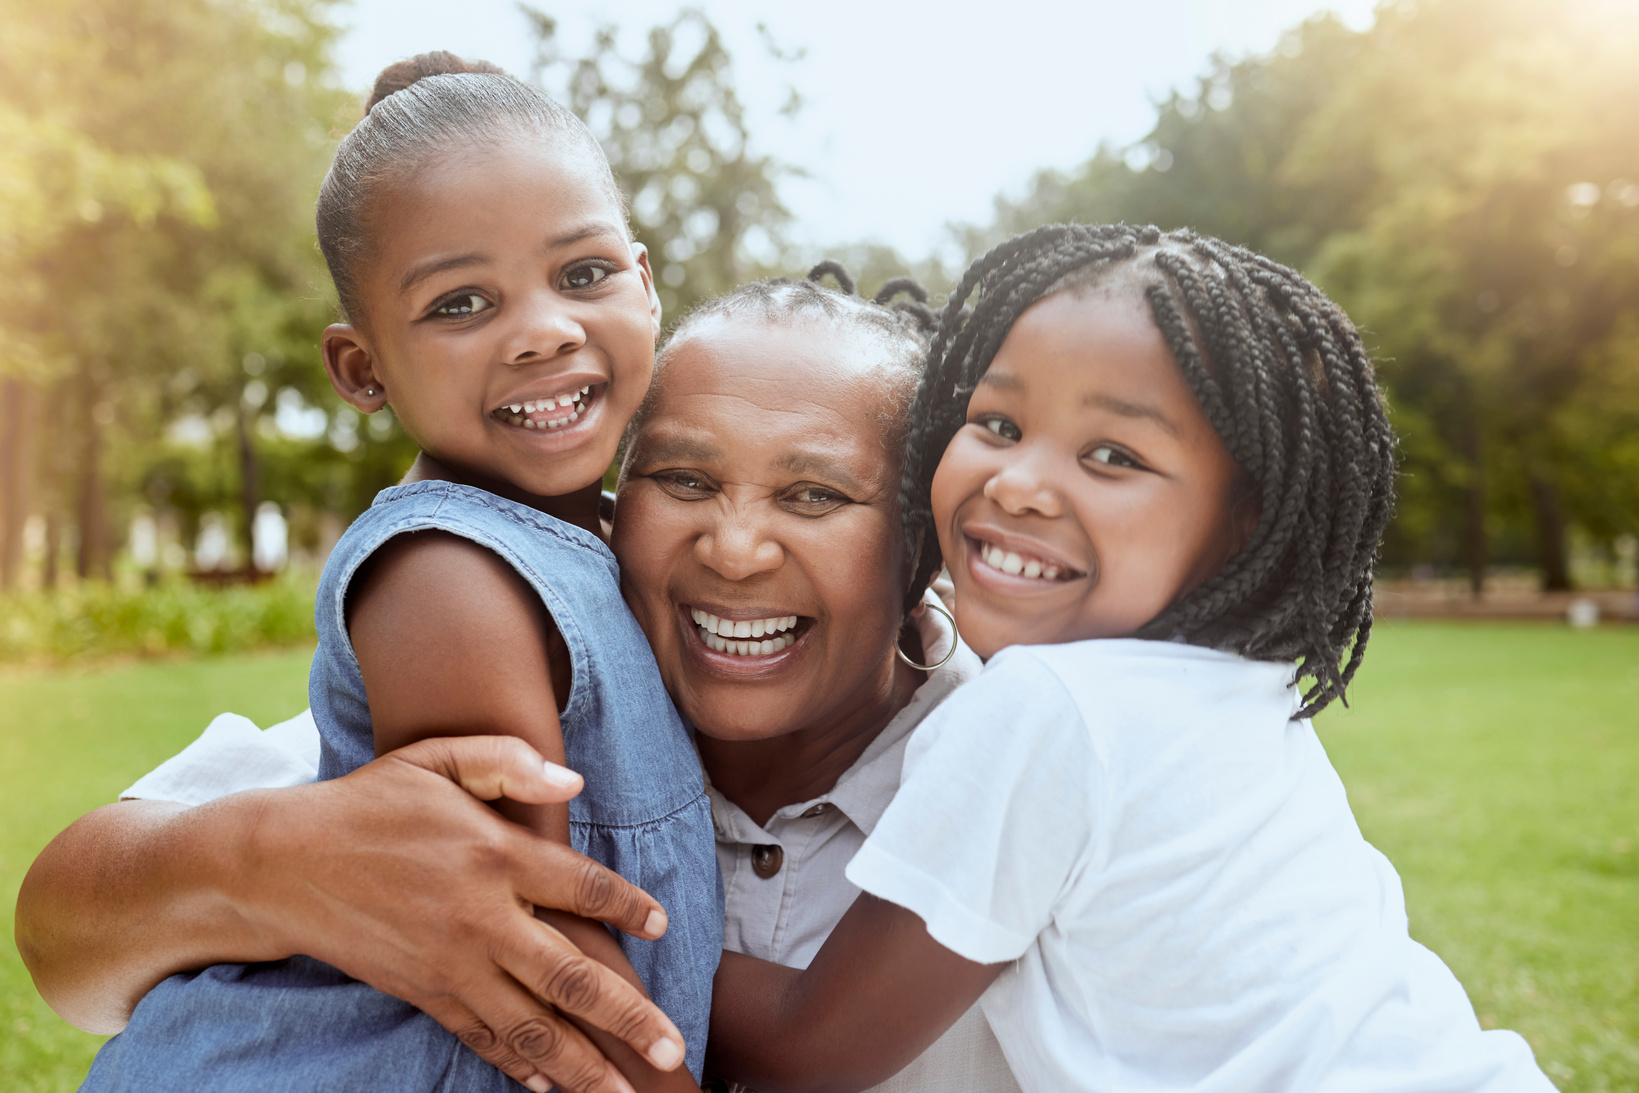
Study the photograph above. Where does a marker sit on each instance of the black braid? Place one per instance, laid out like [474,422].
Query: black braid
[783,297]
[845,282]
[1280,373]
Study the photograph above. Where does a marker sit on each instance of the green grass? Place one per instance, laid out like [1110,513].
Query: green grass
[71,740]
[1495,764]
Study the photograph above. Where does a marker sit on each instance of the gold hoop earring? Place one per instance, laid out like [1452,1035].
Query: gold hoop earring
[954,641]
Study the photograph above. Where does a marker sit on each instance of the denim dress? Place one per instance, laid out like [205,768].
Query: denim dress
[298,1025]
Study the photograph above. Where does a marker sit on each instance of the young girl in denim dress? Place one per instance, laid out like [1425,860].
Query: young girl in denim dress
[495,300]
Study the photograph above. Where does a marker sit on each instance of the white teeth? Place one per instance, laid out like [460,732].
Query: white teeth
[554,402]
[742,628]
[766,647]
[1011,563]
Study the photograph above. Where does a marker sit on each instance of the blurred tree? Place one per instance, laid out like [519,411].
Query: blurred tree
[53,178]
[1501,252]
[674,130]
[198,292]
[1462,177]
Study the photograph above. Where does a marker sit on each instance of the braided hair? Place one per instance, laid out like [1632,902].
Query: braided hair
[1284,379]
[902,325]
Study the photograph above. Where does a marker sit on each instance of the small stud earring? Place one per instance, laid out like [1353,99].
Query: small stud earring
[370,392]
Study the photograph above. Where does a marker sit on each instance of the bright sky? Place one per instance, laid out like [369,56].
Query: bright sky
[917,114]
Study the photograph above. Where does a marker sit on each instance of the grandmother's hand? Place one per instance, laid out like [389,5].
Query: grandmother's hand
[400,877]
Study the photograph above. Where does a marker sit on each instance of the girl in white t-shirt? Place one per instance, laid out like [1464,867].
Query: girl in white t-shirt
[1157,468]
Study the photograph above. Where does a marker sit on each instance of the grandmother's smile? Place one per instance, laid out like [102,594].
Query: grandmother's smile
[750,638]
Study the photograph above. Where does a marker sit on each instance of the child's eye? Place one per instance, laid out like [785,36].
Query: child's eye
[584,276]
[1002,427]
[462,305]
[1113,457]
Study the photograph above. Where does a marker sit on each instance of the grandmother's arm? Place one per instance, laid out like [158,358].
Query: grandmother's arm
[397,874]
[880,991]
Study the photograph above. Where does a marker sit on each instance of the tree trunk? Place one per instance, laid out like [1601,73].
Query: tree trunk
[250,484]
[1474,540]
[54,547]
[1551,554]
[16,474]
[91,506]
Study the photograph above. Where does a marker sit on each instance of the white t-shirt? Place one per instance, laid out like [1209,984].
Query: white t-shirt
[1171,865]
[785,911]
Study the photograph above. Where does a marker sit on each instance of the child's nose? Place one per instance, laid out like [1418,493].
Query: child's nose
[545,329]
[1027,484]
[736,546]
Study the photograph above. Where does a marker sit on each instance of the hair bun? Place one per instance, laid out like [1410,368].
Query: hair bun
[401,74]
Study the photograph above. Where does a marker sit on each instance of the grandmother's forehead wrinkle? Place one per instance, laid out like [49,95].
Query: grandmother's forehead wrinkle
[806,409]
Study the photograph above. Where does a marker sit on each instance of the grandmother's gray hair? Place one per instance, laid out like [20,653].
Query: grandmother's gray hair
[421,109]
[899,332]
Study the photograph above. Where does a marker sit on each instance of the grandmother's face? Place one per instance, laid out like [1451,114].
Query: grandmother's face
[758,527]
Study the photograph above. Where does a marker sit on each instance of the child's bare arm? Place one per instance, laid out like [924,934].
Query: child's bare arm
[878,994]
[451,641]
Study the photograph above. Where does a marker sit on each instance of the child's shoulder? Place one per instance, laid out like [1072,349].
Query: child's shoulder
[541,548]
[455,507]
[1116,679]
[443,532]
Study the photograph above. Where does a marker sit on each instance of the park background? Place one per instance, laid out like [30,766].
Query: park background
[1463,176]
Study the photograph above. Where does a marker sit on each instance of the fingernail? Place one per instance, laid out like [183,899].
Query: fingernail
[538,1083]
[560,777]
[655,924]
[665,1054]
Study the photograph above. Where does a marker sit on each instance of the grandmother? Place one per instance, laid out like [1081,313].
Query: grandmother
[761,548]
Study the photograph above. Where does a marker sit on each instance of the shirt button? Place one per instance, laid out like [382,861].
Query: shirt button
[766,860]
[818,810]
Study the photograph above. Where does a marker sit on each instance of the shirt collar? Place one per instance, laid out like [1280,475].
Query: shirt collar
[865,789]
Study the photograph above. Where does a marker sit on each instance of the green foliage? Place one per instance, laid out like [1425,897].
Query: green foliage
[674,130]
[94,619]
[167,182]
[1463,177]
